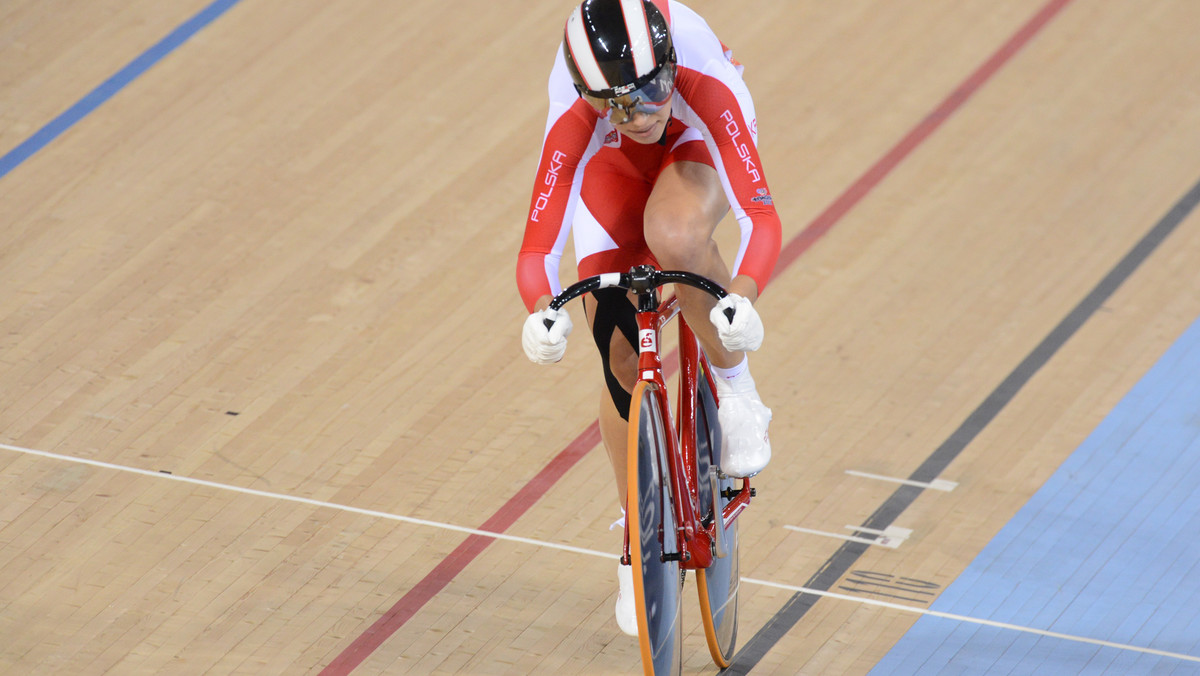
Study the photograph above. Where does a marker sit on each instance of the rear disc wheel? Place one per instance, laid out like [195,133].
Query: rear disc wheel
[718,584]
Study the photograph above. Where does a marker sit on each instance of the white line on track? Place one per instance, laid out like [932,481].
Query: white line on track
[891,543]
[309,501]
[936,484]
[973,620]
[588,552]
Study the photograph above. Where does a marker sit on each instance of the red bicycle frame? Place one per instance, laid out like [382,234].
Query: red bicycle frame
[694,538]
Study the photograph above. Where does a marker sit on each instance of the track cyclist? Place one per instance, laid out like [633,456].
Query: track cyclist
[651,139]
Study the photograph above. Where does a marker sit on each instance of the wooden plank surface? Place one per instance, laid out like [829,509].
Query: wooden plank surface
[281,260]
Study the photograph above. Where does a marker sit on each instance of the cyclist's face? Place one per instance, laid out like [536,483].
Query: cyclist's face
[646,128]
[637,111]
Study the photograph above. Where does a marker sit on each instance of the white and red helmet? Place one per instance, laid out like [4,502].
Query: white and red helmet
[614,48]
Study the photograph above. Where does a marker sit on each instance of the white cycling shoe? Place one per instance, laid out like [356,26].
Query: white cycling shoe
[626,607]
[744,421]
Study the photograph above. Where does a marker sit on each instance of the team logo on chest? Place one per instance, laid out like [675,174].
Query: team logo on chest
[612,139]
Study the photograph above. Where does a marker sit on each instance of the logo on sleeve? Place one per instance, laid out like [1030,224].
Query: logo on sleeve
[553,166]
[735,133]
[763,197]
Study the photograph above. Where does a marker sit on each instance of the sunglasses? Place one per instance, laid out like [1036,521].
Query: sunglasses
[649,98]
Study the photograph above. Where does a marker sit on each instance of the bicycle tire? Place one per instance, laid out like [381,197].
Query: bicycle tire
[651,522]
[718,585]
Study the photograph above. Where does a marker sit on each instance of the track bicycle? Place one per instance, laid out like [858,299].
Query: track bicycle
[682,510]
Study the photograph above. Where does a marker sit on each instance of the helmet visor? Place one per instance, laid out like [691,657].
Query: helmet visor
[650,98]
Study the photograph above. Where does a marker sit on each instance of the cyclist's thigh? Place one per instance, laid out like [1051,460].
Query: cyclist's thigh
[687,199]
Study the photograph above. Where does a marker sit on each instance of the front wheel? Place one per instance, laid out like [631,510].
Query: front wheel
[719,583]
[651,522]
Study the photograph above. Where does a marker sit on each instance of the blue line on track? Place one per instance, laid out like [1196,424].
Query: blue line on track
[112,85]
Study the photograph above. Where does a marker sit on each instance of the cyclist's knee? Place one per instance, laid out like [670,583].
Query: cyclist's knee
[680,241]
[623,361]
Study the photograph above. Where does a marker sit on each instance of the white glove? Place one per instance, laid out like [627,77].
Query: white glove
[744,331]
[546,345]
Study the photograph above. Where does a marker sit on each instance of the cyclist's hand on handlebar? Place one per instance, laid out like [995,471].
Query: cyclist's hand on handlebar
[744,332]
[546,345]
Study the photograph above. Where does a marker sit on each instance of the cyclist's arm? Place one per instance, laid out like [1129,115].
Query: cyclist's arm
[744,285]
[568,143]
[719,104]
[542,303]
[554,194]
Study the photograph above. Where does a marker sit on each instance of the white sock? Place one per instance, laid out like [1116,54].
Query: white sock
[736,378]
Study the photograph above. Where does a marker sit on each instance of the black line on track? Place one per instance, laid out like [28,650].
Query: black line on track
[848,554]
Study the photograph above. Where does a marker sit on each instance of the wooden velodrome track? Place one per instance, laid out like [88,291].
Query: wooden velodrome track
[260,369]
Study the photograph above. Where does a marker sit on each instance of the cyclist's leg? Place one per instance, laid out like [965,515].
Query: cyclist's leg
[608,238]
[610,317]
[682,213]
[607,228]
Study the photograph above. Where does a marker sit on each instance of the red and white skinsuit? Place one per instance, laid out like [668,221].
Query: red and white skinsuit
[594,182]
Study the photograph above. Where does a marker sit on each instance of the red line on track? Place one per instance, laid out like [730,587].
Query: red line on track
[452,565]
[884,166]
[518,504]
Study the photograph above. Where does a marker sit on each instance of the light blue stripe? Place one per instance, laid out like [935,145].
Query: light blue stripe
[111,86]
[1106,549]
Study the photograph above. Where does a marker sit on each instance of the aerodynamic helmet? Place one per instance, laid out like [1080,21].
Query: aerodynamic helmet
[620,56]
